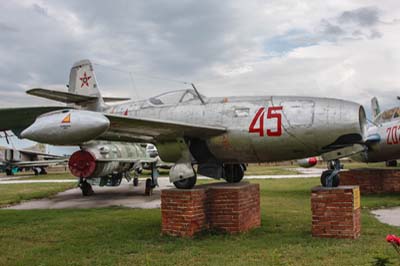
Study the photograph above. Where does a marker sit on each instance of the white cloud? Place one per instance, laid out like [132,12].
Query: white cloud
[235,47]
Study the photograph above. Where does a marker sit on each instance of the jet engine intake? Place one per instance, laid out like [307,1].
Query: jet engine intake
[103,160]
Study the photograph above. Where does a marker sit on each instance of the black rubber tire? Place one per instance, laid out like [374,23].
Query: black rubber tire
[234,173]
[187,183]
[135,182]
[36,171]
[86,188]
[9,172]
[392,163]
[148,190]
[335,181]
[43,171]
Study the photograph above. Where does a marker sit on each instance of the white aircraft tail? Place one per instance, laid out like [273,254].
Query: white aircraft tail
[82,81]
[83,91]
[376,110]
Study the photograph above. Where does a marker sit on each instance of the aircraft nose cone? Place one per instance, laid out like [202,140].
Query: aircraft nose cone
[27,133]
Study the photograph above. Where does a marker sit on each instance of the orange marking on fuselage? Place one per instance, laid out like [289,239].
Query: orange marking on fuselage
[66,119]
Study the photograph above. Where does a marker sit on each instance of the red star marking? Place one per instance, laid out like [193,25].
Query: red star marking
[85,80]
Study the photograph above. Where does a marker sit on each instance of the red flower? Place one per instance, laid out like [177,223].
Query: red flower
[391,238]
[395,241]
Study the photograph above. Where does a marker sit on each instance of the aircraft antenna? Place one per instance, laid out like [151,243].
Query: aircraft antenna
[6,136]
[198,94]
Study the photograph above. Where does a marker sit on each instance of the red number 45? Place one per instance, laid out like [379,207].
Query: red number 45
[272,113]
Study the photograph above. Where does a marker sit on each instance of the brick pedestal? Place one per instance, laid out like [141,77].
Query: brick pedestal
[372,181]
[336,212]
[232,208]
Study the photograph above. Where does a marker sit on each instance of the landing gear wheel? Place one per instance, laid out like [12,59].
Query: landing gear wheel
[86,188]
[234,179]
[392,163]
[135,181]
[36,171]
[149,188]
[43,171]
[324,178]
[9,172]
[187,183]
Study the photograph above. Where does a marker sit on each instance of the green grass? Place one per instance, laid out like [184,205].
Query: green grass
[354,165]
[254,169]
[16,193]
[50,176]
[119,236]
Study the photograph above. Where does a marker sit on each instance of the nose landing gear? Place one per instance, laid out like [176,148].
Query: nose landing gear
[86,188]
[330,177]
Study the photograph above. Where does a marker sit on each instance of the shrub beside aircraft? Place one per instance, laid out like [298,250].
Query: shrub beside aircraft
[219,134]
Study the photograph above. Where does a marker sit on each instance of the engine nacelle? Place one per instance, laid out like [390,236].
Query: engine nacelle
[104,159]
[67,127]
[308,162]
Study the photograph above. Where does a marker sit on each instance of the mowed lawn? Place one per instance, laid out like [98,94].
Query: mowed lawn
[120,236]
[15,193]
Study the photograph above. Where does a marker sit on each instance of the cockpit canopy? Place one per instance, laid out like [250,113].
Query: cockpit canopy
[388,115]
[175,97]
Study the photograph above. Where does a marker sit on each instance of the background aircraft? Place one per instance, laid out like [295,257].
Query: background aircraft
[383,142]
[34,158]
[106,163]
[219,134]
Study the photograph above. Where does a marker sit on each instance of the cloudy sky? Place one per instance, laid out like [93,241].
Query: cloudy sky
[344,49]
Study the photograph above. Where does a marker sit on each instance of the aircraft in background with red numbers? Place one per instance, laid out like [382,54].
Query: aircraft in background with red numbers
[219,134]
[383,136]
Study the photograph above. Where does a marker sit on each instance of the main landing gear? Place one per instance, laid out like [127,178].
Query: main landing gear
[39,171]
[9,172]
[187,183]
[330,177]
[86,188]
[152,182]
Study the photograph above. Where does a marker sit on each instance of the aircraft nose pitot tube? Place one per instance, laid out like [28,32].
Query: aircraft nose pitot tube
[67,127]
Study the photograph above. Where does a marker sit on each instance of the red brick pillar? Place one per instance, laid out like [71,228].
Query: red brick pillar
[336,212]
[234,208]
[372,181]
[183,211]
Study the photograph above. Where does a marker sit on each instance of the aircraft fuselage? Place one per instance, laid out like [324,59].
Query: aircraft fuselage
[262,129]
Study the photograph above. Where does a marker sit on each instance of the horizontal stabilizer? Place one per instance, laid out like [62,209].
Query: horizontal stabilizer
[115,99]
[68,97]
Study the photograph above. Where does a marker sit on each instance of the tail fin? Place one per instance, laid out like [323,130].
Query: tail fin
[83,91]
[82,81]
[376,110]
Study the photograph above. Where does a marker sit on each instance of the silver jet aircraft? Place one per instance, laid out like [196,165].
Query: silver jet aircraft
[383,141]
[13,160]
[219,134]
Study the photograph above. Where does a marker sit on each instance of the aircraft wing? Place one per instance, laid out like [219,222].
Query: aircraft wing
[40,153]
[135,129]
[37,163]
[129,160]
[22,117]
[68,97]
